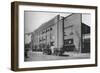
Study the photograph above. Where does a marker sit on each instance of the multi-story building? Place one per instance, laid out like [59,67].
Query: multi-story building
[63,32]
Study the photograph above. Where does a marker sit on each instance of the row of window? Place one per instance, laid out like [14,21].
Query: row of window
[44,38]
[45,31]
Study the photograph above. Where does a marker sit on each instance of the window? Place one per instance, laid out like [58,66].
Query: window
[68,41]
[50,28]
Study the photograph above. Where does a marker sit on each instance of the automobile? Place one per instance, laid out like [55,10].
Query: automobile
[47,50]
[53,51]
[58,51]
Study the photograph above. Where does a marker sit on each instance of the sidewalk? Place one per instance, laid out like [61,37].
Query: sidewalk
[71,54]
[74,54]
[39,56]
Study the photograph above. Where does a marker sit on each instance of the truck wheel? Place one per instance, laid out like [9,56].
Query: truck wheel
[56,52]
[60,53]
[49,52]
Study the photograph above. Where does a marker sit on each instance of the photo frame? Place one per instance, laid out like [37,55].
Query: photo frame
[52,36]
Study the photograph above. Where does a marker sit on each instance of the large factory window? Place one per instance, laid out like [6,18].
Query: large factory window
[85,38]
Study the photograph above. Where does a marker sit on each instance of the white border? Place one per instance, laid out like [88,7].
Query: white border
[33,64]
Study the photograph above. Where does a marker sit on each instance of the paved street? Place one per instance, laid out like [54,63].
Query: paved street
[39,56]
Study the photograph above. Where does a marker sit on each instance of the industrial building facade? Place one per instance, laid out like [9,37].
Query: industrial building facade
[63,32]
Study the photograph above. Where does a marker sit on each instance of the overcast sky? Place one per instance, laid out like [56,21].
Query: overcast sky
[34,19]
